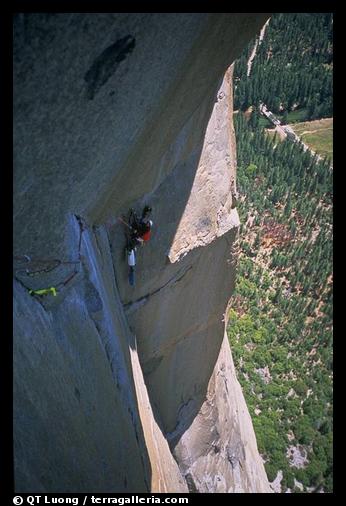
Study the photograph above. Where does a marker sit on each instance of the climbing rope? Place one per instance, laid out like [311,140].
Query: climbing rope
[35,266]
[124,223]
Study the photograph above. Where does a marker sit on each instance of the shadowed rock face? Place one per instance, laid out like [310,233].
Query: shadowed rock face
[121,388]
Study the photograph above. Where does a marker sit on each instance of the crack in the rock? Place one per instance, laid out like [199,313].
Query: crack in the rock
[98,247]
[180,421]
[144,298]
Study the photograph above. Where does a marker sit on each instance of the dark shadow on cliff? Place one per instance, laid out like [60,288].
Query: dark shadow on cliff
[160,285]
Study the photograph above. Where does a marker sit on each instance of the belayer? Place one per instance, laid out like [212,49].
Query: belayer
[139,233]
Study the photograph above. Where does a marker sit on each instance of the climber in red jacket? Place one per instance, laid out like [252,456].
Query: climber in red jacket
[141,228]
[140,233]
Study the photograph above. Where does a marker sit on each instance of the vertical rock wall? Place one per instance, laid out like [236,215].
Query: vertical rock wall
[112,111]
[185,281]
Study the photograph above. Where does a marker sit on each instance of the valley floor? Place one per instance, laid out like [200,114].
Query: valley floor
[317,134]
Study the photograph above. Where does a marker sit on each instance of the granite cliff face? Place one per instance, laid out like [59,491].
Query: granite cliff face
[121,388]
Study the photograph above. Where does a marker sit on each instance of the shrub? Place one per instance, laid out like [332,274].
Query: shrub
[271,471]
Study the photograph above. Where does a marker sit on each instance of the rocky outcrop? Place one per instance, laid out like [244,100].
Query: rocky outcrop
[219,453]
[121,388]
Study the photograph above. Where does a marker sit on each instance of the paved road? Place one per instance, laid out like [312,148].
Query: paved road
[286,130]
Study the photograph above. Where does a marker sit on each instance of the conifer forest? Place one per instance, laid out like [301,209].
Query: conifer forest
[280,322]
